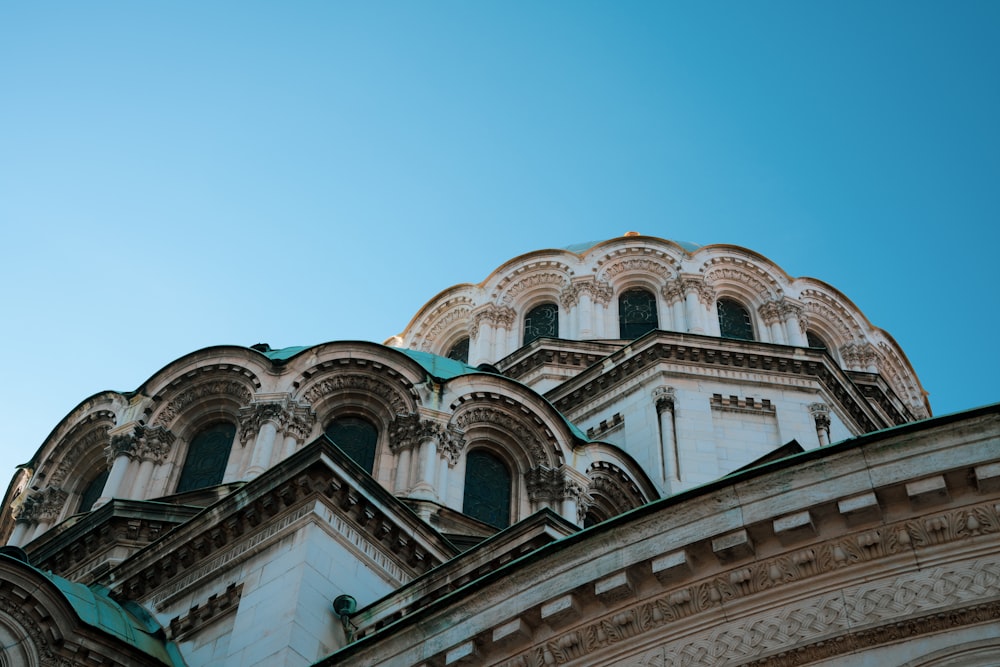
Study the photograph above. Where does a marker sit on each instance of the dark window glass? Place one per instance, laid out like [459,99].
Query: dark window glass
[734,320]
[487,489]
[206,459]
[93,491]
[815,341]
[460,351]
[357,438]
[636,313]
[541,321]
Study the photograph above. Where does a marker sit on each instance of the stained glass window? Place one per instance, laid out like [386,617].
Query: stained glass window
[815,341]
[636,313]
[357,438]
[207,455]
[734,320]
[542,320]
[93,491]
[460,351]
[487,489]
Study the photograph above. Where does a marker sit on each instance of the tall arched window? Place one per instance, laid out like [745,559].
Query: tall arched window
[487,489]
[734,320]
[636,313]
[357,438]
[207,455]
[460,351]
[542,320]
[93,491]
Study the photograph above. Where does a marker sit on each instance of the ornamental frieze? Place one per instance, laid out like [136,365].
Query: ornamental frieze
[228,388]
[520,433]
[443,324]
[864,613]
[93,439]
[530,282]
[341,382]
[636,265]
[758,287]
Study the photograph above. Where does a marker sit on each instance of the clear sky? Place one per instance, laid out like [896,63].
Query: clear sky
[176,175]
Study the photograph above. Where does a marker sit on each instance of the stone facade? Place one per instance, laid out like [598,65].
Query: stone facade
[749,476]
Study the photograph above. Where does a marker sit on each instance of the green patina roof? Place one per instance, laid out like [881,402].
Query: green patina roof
[580,248]
[285,352]
[128,622]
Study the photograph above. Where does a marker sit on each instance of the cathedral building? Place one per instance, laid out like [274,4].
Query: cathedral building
[626,452]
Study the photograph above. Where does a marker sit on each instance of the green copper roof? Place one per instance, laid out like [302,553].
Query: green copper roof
[129,623]
[580,248]
[442,368]
[285,352]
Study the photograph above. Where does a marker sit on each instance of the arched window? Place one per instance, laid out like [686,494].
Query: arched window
[734,320]
[487,489]
[93,491]
[460,351]
[542,320]
[207,455]
[636,313]
[357,438]
[815,341]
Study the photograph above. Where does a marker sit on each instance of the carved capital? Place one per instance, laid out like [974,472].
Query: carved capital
[673,291]
[499,317]
[821,414]
[411,430]
[451,445]
[125,444]
[770,312]
[859,355]
[154,444]
[44,505]
[698,286]
[664,398]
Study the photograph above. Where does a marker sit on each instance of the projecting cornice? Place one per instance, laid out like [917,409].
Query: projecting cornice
[846,547]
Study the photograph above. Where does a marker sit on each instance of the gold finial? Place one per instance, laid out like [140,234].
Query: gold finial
[632,234]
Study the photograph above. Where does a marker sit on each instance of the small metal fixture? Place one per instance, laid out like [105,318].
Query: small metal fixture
[344,606]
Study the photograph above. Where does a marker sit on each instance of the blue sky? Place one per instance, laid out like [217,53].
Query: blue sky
[179,175]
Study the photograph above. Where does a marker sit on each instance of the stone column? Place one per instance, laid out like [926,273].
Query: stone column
[821,414]
[489,333]
[697,297]
[22,526]
[673,297]
[544,489]
[670,464]
[424,488]
[153,448]
[48,508]
[795,323]
[402,440]
[770,314]
[120,454]
[260,421]
[298,424]
[452,444]
[601,294]
[571,321]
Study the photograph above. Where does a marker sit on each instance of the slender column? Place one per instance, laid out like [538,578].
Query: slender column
[794,329]
[48,507]
[402,471]
[490,333]
[297,427]
[670,463]
[21,529]
[120,453]
[821,414]
[260,421]
[424,488]
[696,293]
[770,314]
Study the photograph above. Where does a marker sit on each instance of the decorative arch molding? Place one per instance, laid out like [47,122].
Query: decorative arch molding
[611,491]
[355,384]
[86,439]
[742,278]
[897,372]
[220,384]
[524,430]
[831,316]
[447,322]
[632,260]
[513,290]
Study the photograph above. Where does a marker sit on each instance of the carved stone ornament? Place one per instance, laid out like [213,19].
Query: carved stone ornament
[706,293]
[664,398]
[673,291]
[821,413]
[344,381]
[531,281]
[770,312]
[44,505]
[125,444]
[451,445]
[859,355]
[514,427]
[154,444]
[500,317]
[238,391]
[600,292]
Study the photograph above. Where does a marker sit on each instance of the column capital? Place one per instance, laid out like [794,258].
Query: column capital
[664,398]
